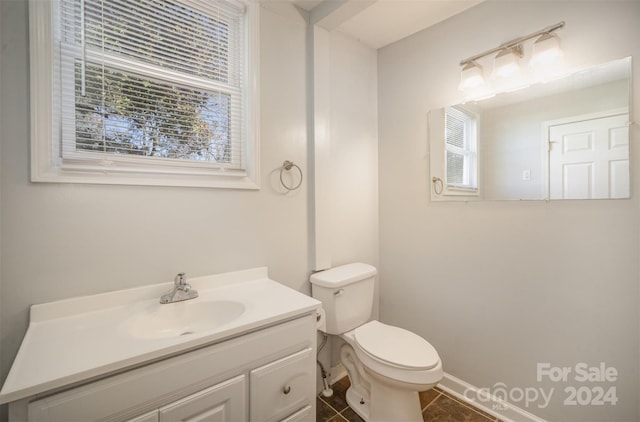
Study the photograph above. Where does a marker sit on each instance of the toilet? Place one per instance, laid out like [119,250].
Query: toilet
[387,365]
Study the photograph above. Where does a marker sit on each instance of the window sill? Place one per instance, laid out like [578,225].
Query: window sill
[219,178]
[460,191]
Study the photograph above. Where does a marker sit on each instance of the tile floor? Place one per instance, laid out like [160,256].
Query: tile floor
[436,406]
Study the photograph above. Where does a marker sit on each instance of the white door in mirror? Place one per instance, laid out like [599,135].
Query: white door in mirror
[589,159]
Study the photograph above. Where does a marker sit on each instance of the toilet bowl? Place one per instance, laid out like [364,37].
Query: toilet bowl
[390,367]
[387,365]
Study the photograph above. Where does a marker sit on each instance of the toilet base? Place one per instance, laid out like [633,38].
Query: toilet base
[388,404]
[357,403]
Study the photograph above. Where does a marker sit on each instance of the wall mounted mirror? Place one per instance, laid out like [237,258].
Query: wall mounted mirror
[564,139]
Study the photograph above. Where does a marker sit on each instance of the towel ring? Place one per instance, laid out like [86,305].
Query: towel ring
[437,182]
[288,165]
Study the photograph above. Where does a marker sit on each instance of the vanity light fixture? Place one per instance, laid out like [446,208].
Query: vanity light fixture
[506,63]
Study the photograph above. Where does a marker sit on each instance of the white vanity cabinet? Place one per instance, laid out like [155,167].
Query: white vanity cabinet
[265,375]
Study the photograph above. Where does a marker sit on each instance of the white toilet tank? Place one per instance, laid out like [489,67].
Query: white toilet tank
[346,293]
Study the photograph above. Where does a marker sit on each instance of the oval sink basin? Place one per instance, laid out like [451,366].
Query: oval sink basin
[182,318]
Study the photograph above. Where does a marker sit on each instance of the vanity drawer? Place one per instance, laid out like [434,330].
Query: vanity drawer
[280,389]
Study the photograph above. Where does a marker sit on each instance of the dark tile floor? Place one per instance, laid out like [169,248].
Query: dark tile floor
[436,406]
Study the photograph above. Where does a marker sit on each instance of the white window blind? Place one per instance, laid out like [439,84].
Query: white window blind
[153,79]
[461,149]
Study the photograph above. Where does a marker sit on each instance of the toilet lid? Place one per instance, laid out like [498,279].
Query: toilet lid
[396,346]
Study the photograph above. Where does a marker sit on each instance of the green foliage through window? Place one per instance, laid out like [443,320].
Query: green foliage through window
[123,113]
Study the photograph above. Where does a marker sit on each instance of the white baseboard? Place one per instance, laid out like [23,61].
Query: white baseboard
[467,393]
[492,405]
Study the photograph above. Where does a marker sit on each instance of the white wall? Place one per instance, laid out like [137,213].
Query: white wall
[498,287]
[354,151]
[60,241]
[346,150]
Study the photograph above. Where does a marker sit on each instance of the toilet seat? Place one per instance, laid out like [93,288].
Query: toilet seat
[396,347]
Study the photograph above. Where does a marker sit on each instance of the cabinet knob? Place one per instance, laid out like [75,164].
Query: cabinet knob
[286,389]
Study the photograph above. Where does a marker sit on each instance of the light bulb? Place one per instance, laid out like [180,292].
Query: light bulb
[546,50]
[506,63]
[471,76]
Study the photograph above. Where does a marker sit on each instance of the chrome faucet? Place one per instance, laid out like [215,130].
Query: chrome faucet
[181,291]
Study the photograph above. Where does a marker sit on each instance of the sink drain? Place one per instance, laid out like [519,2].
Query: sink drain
[186,333]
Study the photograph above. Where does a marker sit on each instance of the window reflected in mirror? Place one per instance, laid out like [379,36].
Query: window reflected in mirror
[461,145]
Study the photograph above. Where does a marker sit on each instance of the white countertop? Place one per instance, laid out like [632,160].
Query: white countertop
[80,338]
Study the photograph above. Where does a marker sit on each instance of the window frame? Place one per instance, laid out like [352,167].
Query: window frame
[47,162]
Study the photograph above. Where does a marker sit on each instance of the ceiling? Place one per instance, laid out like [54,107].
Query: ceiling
[378,23]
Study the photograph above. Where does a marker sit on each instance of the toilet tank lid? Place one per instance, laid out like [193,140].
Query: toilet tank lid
[343,275]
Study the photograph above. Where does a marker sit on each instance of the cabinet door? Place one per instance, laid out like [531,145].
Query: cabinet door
[301,415]
[281,388]
[222,402]
[147,417]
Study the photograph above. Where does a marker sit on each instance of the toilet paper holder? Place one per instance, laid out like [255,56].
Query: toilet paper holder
[321,320]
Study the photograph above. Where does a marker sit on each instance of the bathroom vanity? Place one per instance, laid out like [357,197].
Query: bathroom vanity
[245,349]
